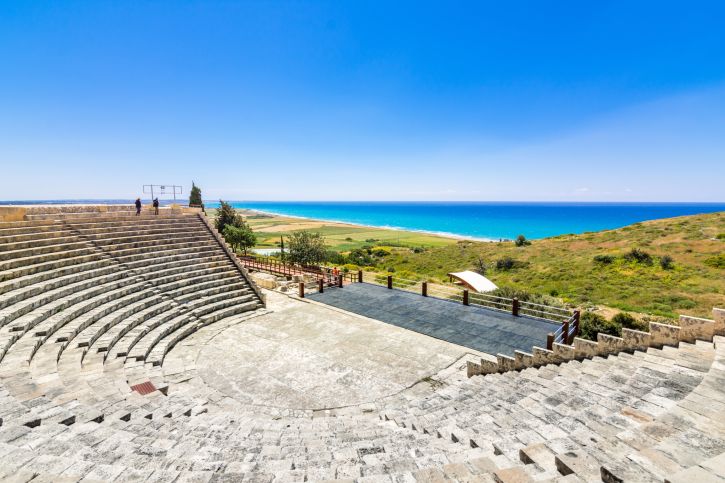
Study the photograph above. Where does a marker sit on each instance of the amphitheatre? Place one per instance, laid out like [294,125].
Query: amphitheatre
[140,348]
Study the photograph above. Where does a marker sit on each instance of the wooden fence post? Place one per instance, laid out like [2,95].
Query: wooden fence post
[424,289]
[565,332]
[390,281]
[321,285]
[515,307]
[465,296]
[302,290]
[339,280]
[577,317]
[550,341]
[359,276]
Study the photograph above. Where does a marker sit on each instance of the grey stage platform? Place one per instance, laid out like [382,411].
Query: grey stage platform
[481,329]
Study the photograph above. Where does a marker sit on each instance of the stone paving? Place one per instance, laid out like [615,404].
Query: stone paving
[481,329]
[269,360]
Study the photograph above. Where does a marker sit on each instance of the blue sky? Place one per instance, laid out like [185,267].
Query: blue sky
[569,101]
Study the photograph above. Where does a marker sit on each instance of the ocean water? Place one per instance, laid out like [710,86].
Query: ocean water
[485,220]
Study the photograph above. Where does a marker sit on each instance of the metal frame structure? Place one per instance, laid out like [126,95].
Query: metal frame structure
[162,189]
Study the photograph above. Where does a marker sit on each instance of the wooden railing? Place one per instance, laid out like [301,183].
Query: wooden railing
[568,319]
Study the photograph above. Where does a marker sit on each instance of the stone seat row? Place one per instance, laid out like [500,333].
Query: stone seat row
[636,416]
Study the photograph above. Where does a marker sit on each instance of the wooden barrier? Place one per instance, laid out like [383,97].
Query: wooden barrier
[465,296]
[302,290]
[424,289]
[390,282]
[515,307]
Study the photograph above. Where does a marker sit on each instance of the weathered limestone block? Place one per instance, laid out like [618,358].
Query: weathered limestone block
[473,369]
[543,356]
[692,328]
[265,280]
[564,352]
[523,359]
[663,334]
[718,316]
[585,348]
[635,339]
[489,364]
[12,213]
[608,344]
[505,363]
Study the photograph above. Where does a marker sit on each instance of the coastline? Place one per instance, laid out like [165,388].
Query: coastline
[453,236]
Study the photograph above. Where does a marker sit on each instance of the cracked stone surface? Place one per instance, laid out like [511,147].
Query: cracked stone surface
[308,356]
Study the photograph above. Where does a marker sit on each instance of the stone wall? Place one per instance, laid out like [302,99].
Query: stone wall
[688,330]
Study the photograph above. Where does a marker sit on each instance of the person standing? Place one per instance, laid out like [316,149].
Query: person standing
[156,206]
[138,206]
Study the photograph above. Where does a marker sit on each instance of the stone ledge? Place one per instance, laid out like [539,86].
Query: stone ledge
[689,330]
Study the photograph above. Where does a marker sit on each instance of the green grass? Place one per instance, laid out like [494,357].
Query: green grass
[564,266]
[561,266]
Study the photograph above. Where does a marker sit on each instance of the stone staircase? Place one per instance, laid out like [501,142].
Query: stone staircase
[92,304]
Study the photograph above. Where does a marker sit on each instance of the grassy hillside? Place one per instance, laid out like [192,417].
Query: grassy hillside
[565,266]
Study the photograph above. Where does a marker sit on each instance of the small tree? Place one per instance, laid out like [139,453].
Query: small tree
[521,241]
[591,324]
[240,237]
[281,247]
[195,196]
[666,262]
[306,248]
[227,215]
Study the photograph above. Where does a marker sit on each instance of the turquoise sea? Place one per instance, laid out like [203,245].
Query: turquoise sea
[486,220]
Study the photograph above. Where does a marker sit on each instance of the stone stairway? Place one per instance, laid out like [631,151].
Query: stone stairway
[102,314]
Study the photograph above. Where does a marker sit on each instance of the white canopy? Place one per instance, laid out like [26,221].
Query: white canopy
[474,281]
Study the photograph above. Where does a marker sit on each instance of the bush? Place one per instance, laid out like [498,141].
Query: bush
[508,263]
[720,236]
[521,241]
[638,256]
[591,324]
[335,258]
[718,261]
[418,250]
[381,252]
[628,321]
[667,263]
[361,257]
[604,259]
[348,239]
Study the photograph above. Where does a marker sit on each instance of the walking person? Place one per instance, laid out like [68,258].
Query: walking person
[138,206]
[156,206]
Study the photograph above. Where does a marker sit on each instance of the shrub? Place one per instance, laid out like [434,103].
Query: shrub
[418,250]
[335,258]
[718,261]
[381,252]
[361,257]
[508,263]
[638,256]
[371,240]
[604,259]
[667,263]
[521,241]
[720,236]
[591,324]
[628,321]
[348,239]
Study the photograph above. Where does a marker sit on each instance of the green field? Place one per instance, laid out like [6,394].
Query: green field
[563,266]
[339,237]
